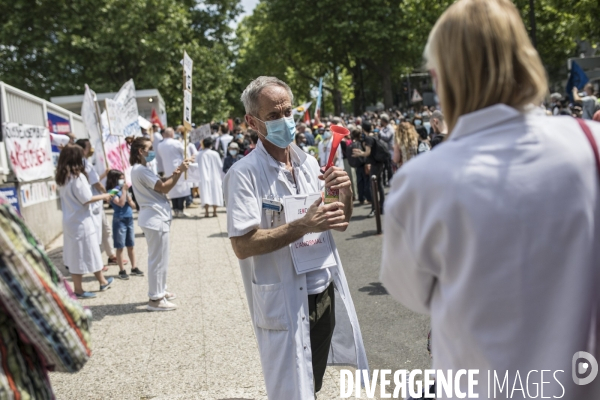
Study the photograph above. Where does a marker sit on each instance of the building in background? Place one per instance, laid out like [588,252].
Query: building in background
[147,100]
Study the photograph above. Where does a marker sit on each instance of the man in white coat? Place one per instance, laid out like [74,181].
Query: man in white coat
[305,321]
[170,154]
[211,177]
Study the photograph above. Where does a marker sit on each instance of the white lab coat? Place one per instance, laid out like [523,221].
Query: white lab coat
[210,168]
[171,157]
[325,149]
[96,208]
[192,151]
[499,244]
[81,252]
[276,295]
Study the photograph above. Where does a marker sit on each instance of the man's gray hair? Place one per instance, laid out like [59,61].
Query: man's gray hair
[437,114]
[252,92]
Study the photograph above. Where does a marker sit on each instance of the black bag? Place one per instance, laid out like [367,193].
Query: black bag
[380,151]
[355,162]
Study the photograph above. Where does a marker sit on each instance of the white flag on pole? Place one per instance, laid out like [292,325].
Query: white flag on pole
[89,116]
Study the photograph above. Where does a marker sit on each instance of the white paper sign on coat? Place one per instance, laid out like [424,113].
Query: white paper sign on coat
[314,250]
[129,110]
[28,150]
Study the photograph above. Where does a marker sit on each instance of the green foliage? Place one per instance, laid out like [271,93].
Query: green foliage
[54,48]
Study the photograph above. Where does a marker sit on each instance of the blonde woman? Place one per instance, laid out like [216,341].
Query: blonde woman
[406,142]
[495,234]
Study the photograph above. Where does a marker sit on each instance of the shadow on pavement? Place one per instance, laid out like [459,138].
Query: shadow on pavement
[101,311]
[374,289]
[363,235]
[219,235]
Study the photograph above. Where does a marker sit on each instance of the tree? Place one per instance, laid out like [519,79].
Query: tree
[106,42]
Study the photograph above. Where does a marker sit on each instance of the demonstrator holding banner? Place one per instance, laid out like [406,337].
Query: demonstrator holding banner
[299,300]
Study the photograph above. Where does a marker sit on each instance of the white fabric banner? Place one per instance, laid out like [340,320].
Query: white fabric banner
[115,117]
[29,151]
[89,116]
[129,110]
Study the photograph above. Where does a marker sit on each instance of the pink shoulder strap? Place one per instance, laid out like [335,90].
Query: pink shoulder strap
[588,133]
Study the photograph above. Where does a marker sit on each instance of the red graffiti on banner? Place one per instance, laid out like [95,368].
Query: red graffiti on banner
[28,156]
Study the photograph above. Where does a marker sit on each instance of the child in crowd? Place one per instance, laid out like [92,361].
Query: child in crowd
[123,231]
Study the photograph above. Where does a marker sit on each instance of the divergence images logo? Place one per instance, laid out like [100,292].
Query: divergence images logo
[582,363]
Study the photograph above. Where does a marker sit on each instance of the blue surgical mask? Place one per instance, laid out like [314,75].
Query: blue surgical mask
[121,182]
[151,156]
[327,135]
[281,131]
[233,153]
[417,122]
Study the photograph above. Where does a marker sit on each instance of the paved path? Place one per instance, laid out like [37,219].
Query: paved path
[204,350]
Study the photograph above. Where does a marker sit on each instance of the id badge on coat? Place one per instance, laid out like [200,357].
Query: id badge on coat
[313,251]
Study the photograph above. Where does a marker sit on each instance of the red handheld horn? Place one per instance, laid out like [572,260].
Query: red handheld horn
[339,132]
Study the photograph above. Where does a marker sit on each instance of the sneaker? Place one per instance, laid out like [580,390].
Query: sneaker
[109,282]
[192,205]
[137,271]
[183,214]
[113,261]
[160,305]
[85,295]
[175,213]
[123,275]
[371,214]
[170,296]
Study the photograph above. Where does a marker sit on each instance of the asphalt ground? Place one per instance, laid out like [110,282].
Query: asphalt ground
[394,336]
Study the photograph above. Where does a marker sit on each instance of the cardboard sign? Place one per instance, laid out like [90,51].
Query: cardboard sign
[187,110]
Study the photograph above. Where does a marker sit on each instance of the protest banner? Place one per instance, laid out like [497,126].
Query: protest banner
[59,126]
[127,102]
[115,121]
[29,151]
[38,192]
[198,134]
[91,120]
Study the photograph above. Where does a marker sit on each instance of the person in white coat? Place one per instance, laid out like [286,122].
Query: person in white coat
[499,242]
[171,154]
[81,252]
[211,177]
[155,219]
[306,321]
[324,148]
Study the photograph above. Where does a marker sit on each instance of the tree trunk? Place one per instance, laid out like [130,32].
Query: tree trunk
[386,86]
[337,102]
[359,93]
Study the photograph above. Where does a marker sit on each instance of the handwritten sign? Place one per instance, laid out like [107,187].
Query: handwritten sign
[115,122]
[128,108]
[29,151]
[200,133]
[187,72]
[313,251]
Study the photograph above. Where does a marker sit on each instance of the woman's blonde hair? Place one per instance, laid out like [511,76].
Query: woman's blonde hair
[407,139]
[481,55]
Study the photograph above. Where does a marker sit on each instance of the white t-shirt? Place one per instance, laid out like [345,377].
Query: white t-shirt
[155,210]
[589,106]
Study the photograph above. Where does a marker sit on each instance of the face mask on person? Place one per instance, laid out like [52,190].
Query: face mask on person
[233,153]
[121,182]
[417,122]
[280,132]
[240,137]
[151,155]
[327,135]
